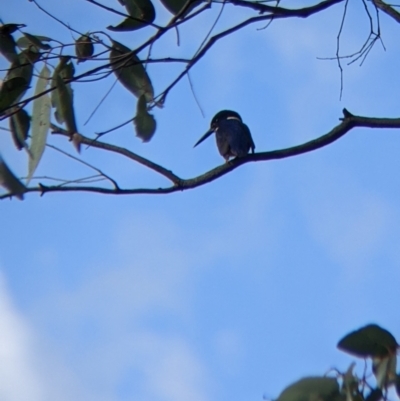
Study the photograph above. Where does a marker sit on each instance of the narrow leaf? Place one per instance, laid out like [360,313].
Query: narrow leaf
[10,182]
[40,122]
[66,102]
[19,125]
[66,109]
[130,71]
[145,123]
[66,70]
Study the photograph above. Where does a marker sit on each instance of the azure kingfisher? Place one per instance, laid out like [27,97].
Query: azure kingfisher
[232,135]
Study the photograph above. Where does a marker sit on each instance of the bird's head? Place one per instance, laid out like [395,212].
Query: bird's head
[224,115]
[216,120]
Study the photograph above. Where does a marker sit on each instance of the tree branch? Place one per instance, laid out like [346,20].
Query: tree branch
[387,9]
[349,122]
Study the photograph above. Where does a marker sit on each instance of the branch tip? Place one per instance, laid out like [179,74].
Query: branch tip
[347,114]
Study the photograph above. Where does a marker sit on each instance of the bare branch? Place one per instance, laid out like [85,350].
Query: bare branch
[387,9]
[279,12]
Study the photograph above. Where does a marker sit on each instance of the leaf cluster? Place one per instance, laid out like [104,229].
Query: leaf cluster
[371,342]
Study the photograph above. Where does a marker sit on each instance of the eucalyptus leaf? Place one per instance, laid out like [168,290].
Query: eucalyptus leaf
[128,24]
[10,28]
[19,126]
[23,65]
[66,102]
[312,389]
[141,9]
[65,69]
[142,13]
[145,123]
[369,341]
[66,110]
[130,72]
[84,48]
[7,47]
[18,78]
[40,122]
[10,182]
[176,6]
[34,40]
[11,91]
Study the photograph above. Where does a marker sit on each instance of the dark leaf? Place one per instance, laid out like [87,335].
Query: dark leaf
[23,65]
[312,389]
[7,47]
[374,395]
[8,29]
[130,71]
[84,48]
[145,123]
[369,341]
[34,40]
[128,24]
[67,107]
[142,13]
[65,69]
[175,6]
[11,91]
[19,125]
[9,181]
[21,68]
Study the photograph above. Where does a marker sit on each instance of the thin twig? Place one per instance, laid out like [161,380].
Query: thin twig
[84,163]
[100,102]
[338,47]
[122,151]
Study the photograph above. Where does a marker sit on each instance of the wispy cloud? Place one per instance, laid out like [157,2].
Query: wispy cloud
[18,378]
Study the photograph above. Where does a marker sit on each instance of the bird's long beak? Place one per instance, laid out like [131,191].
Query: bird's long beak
[205,136]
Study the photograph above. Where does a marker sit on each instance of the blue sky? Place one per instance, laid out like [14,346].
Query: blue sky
[229,291]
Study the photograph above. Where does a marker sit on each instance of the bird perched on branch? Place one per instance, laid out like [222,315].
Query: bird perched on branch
[232,135]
